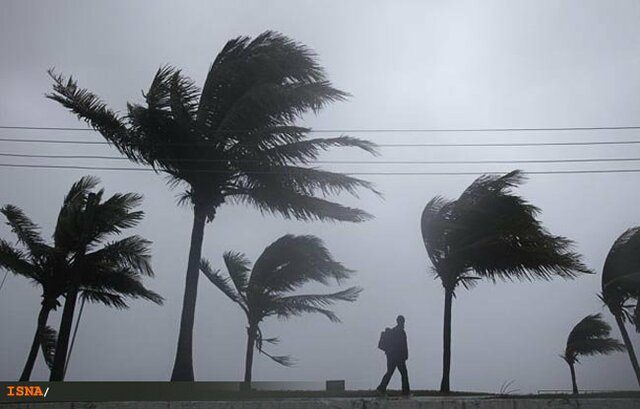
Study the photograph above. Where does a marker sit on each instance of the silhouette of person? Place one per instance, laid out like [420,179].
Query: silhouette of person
[397,353]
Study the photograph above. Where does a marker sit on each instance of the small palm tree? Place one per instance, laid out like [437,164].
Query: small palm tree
[235,140]
[283,267]
[589,337]
[621,286]
[489,232]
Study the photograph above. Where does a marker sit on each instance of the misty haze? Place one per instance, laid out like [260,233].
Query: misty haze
[254,191]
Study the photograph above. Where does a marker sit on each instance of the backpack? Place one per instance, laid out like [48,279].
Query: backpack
[384,343]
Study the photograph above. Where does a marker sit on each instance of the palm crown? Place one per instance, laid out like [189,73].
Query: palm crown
[489,232]
[590,337]
[236,137]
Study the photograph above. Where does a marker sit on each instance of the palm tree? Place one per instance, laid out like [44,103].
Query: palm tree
[105,278]
[96,267]
[265,290]
[489,232]
[32,259]
[233,141]
[621,286]
[589,337]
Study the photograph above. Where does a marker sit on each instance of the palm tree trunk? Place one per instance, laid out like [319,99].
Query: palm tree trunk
[627,343]
[57,372]
[183,364]
[446,352]
[248,363]
[43,316]
[73,339]
[573,379]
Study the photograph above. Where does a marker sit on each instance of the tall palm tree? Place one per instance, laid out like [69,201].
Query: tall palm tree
[589,337]
[621,286]
[98,268]
[33,259]
[235,140]
[489,232]
[266,289]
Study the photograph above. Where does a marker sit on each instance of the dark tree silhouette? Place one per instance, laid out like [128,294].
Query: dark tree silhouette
[489,232]
[98,268]
[621,286]
[266,289]
[106,275]
[33,259]
[235,140]
[589,337]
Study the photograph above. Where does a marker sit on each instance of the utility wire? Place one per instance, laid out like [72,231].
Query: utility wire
[353,162]
[407,145]
[550,172]
[399,130]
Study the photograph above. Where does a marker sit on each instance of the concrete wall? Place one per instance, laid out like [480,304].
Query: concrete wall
[340,403]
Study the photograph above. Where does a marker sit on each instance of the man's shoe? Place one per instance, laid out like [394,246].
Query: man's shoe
[408,395]
[380,392]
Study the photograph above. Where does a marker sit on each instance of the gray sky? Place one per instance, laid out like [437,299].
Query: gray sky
[408,64]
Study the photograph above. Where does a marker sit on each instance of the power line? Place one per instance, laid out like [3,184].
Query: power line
[398,130]
[550,172]
[353,162]
[407,145]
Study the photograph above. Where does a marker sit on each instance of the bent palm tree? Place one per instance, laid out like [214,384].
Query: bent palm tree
[283,267]
[235,140]
[621,286]
[489,232]
[589,337]
[95,268]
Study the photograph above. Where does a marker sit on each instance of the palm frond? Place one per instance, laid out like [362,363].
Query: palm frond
[219,281]
[27,232]
[89,108]
[621,271]
[292,261]
[48,340]
[304,151]
[118,280]
[285,309]
[16,261]
[81,189]
[104,297]
[304,181]
[238,267]
[294,205]
[130,252]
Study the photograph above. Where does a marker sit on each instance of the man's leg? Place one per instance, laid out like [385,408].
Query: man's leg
[402,367]
[387,376]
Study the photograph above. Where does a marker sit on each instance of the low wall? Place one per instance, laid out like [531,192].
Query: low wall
[351,403]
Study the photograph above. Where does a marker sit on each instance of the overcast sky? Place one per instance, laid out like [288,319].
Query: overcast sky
[408,64]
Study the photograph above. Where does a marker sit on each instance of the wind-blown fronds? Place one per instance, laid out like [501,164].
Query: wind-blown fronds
[621,271]
[238,267]
[494,234]
[240,123]
[27,232]
[292,261]
[590,337]
[223,283]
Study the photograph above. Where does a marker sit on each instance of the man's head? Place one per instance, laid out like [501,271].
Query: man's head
[400,321]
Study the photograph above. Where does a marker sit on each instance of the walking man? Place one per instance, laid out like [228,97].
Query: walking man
[393,341]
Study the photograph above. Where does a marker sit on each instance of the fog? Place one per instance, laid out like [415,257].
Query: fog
[408,65]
